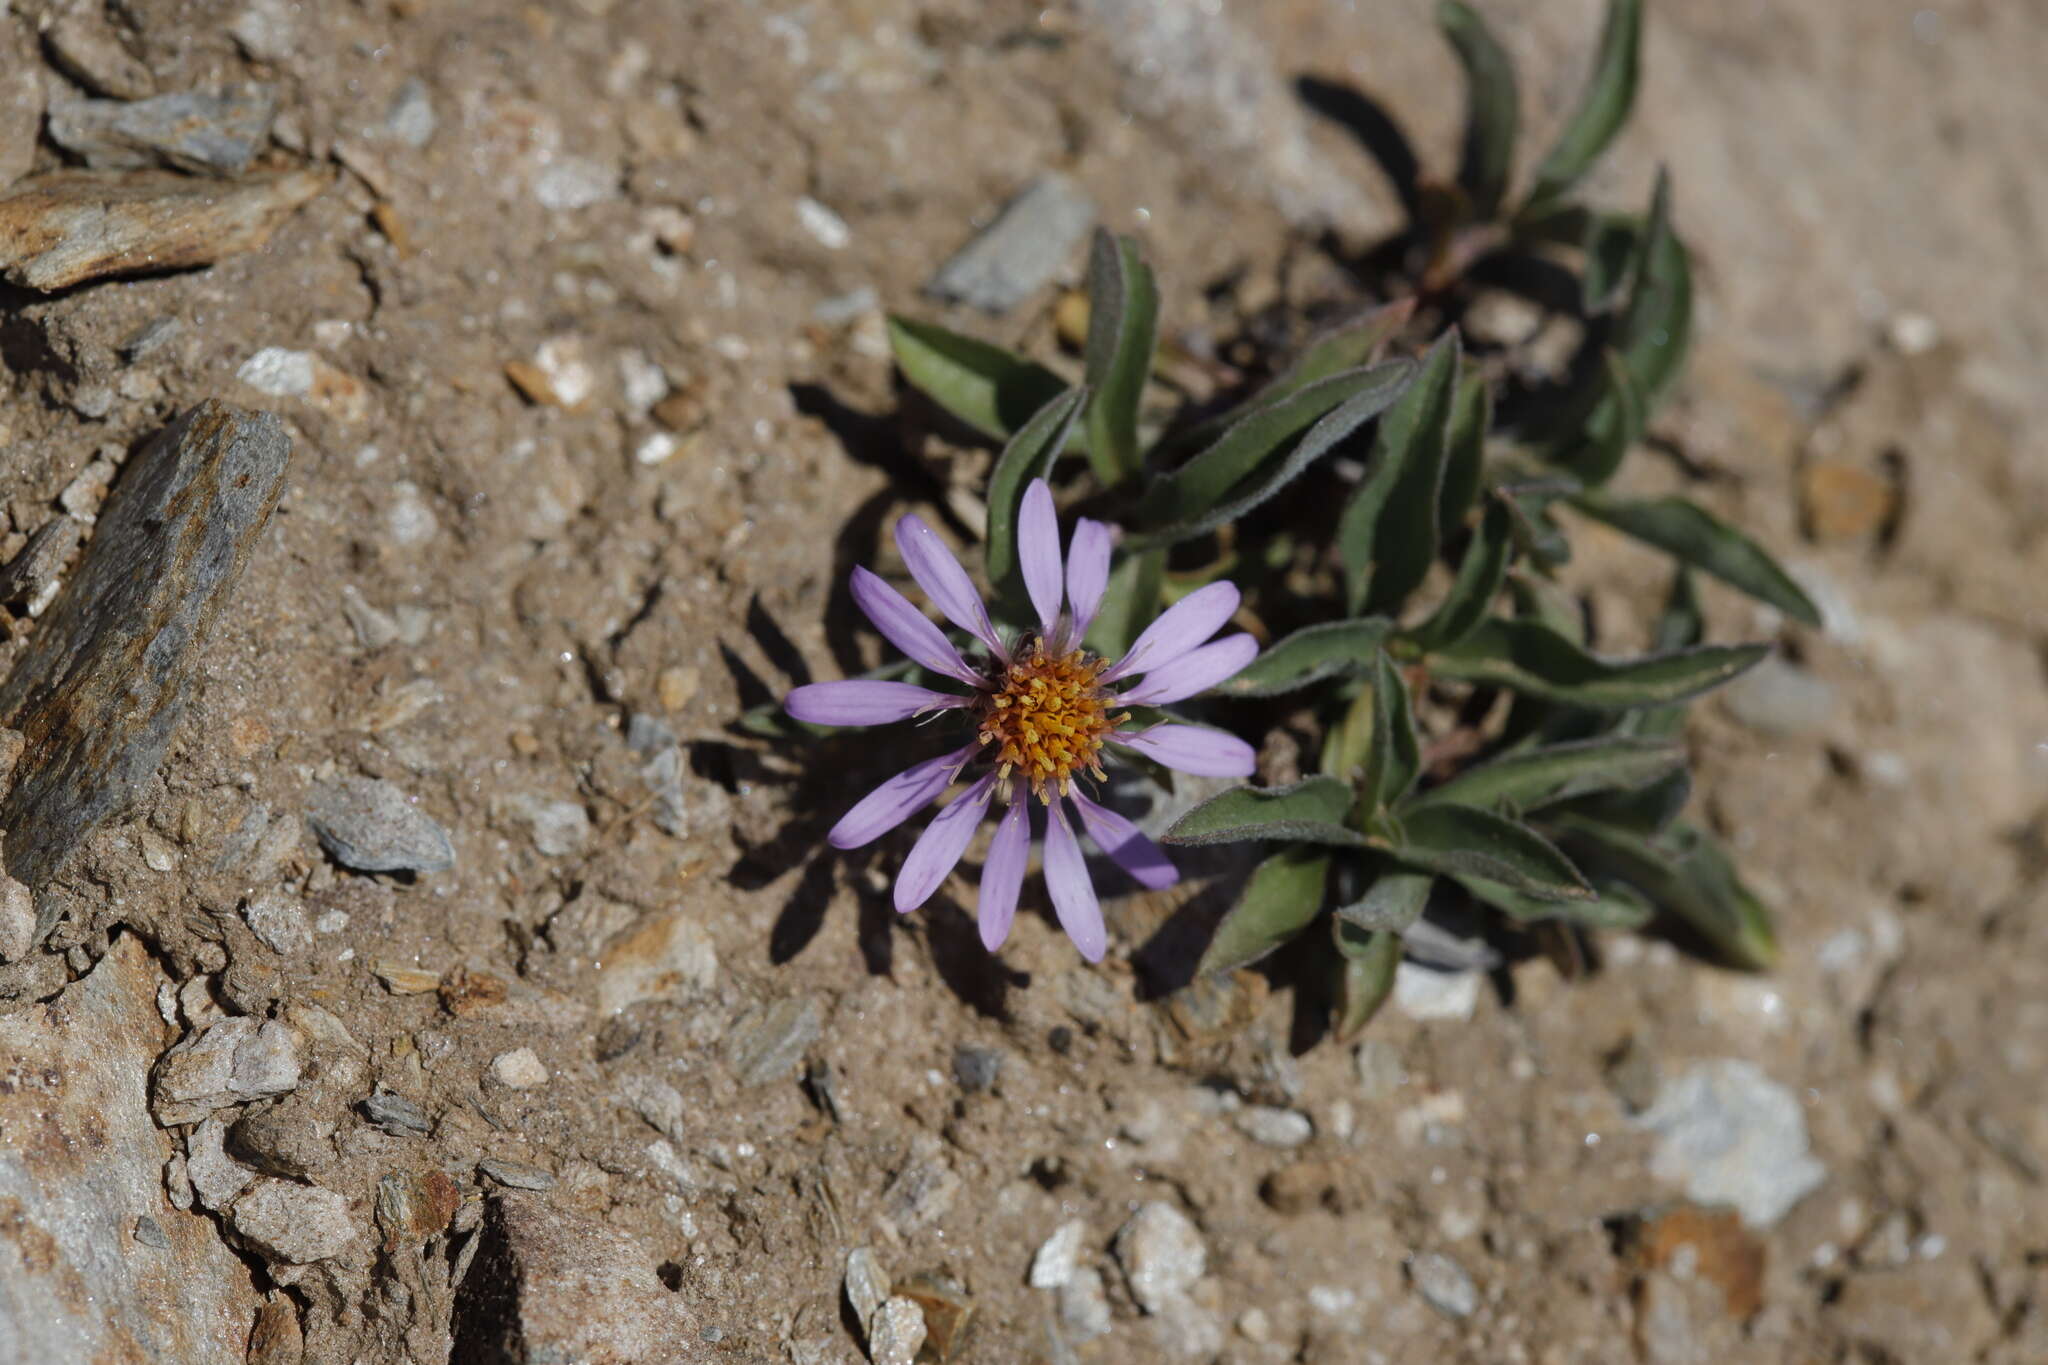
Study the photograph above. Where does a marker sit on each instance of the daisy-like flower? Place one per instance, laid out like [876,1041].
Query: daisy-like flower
[1043,709]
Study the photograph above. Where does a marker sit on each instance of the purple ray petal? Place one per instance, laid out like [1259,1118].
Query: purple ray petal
[1087,572]
[905,627]
[1073,894]
[1126,845]
[1038,552]
[1192,749]
[863,701]
[1179,630]
[938,849]
[896,800]
[1002,873]
[943,580]
[1192,673]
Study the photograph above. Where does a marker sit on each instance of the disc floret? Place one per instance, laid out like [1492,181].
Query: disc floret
[1047,716]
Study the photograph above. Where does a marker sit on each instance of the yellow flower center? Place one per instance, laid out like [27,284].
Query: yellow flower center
[1047,718]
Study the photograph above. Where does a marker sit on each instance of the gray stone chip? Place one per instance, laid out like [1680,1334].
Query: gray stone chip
[1025,248]
[371,826]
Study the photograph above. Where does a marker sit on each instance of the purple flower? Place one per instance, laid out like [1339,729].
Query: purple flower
[1044,709]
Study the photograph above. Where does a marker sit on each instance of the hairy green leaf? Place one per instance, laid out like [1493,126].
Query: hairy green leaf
[1368,960]
[1129,603]
[1532,778]
[1347,745]
[987,387]
[1197,486]
[1462,841]
[1656,325]
[1491,107]
[1029,455]
[1686,873]
[1615,424]
[1698,538]
[1328,649]
[1387,534]
[1610,243]
[1616,906]
[1283,894]
[1395,900]
[1647,810]
[1310,811]
[1123,330]
[1529,657]
[1480,575]
[1336,426]
[1547,603]
[1394,758]
[1465,453]
[1603,108]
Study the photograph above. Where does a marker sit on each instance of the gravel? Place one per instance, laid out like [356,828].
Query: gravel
[1274,1127]
[1058,1256]
[1025,248]
[519,1069]
[294,1223]
[396,1115]
[1443,1284]
[1162,1254]
[231,1062]
[371,826]
[1728,1134]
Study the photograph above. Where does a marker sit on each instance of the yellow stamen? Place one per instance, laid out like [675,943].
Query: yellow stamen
[1048,718]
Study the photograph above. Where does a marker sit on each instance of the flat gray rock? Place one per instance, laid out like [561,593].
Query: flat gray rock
[369,825]
[103,683]
[190,131]
[1024,249]
[1729,1134]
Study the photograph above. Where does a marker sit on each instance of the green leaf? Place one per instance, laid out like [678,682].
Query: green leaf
[1656,326]
[1686,873]
[1533,778]
[1615,907]
[1610,242]
[1491,107]
[1603,108]
[1197,486]
[1648,810]
[1387,534]
[1459,841]
[1326,650]
[1365,977]
[1615,424]
[1547,603]
[1345,347]
[1284,893]
[1698,538]
[1682,623]
[1029,455]
[1526,656]
[1395,757]
[1465,453]
[1123,330]
[987,387]
[1480,575]
[1395,900]
[1312,810]
[1129,603]
[1387,382]
[1347,745]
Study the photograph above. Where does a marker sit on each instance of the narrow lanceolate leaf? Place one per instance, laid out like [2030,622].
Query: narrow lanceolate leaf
[1480,575]
[1395,900]
[1686,873]
[1284,893]
[1387,534]
[1533,778]
[1647,810]
[1347,745]
[1461,841]
[1656,325]
[1395,756]
[1529,657]
[990,389]
[1603,108]
[1702,540]
[1368,960]
[1129,603]
[1261,433]
[1490,107]
[1029,455]
[1327,650]
[1464,453]
[1310,811]
[1386,383]
[1615,907]
[1545,602]
[1615,424]
[1123,328]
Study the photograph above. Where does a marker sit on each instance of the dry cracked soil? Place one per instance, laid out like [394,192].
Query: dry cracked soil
[586,1048]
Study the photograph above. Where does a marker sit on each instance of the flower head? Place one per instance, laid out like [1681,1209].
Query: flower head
[1045,713]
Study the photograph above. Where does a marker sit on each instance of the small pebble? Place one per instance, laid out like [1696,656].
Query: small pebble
[822,223]
[574,182]
[1425,993]
[896,1333]
[519,1069]
[514,1175]
[1084,1304]
[1444,1284]
[371,826]
[1058,1255]
[298,1224]
[278,920]
[150,1233]
[1162,1254]
[410,119]
[867,1284]
[396,1115]
[1025,248]
[1273,1127]
[975,1068]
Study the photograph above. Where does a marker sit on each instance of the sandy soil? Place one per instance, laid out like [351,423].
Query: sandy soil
[473,595]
